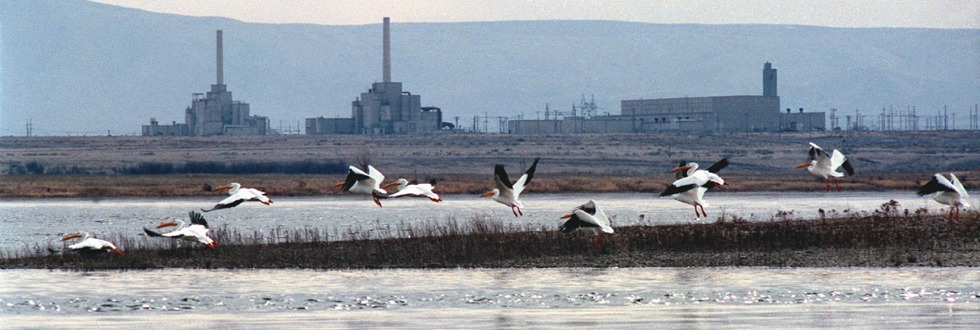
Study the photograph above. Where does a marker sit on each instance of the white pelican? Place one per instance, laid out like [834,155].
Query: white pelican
[588,216]
[690,189]
[948,192]
[239,195]
[825,166]
[365,183]
[507,193]
[89,244]
[415,189]
[196,232]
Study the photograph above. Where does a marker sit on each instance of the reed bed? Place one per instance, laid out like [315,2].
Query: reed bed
[889,236]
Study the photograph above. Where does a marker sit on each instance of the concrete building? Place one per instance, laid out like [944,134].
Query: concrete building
[155,129]
[322,125]
[214,112]
[384,109]
[738,113]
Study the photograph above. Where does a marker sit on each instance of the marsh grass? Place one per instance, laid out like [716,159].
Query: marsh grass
[889,236]
[278,185]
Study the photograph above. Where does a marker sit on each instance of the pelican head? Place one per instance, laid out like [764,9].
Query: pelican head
[74,236]
[231,188]
[401,183]
[494,193]
[167,224]
[806,165]
[690,167]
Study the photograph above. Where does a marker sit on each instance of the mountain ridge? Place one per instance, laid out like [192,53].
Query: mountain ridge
[70,65]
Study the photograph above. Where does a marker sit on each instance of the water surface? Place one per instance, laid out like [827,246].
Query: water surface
[501,298]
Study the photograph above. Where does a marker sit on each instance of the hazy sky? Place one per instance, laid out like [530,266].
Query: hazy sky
[876,13]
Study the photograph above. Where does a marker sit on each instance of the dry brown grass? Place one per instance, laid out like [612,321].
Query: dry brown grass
[464,163]
[886,237]
[311,185]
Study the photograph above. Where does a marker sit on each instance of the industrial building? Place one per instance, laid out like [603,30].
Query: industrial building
[214,112]
[384,109]
[739,113]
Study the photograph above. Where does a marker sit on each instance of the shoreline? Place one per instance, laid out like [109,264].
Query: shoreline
[289,185]
[887,237]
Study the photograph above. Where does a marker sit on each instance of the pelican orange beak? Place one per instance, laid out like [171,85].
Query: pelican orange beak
[210,245]
[167,224]
[71,236]
[566,216]
[487,194]
[389,185]
[804,165]
[339,184]
[224,187]
[680,168]
[117,251]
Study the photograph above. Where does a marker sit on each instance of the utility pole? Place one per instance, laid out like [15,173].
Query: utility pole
[973,118]
[945,119]
[30,128]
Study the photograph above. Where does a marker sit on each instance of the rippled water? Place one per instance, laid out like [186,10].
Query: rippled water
[29,222]
[465,298]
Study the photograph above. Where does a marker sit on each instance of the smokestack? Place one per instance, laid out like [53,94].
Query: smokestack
[386,65]
[221,61]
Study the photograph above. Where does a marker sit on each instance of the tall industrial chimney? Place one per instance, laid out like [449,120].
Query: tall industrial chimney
[220,57]
[386,62]
[768,80]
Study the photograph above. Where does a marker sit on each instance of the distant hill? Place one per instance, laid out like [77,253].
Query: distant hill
[77,67]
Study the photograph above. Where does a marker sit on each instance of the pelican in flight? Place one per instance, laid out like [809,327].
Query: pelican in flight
[825,166]
[239,195]
[89,244]
[196,232]
[365,183]
[948,192]
[507,193]
[415,189]
[587,216]
[692,183]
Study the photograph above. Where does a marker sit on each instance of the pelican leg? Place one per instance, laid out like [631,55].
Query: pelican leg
[828,184]
[957,213]
[597,241]
[696,214]
[705,214]
[521,212]
[376,200]
[950,215]
[514,210]
[837,184]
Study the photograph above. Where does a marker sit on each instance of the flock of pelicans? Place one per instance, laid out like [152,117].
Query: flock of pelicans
[689,188]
